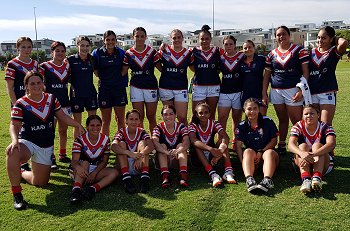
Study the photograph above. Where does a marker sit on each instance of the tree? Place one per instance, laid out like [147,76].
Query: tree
[126,47]
[39,55]
[72,51]
[343,33]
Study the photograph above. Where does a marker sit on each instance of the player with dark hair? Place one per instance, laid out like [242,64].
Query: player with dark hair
[133,145]
[252,69]
[173,81]
[82,90]
[259,134]
[323,82]
[142,59]
[57,76]
[286,66]
[202,130]
[32,133]
[312,143]
[89,163]
[205,65]
[171,141]
[231,85]
[108,62]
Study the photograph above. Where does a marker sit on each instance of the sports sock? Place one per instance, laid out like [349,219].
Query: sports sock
[77,185]
[305,175]
[97,187]
[16,189]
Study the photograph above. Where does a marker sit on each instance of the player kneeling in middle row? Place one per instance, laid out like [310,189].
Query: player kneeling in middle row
[202,130]
[171,141]
[90,154]
[132,145]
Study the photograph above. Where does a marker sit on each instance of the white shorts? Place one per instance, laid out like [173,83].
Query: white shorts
[143,95]
[324,98]
[232,100]
[39,155]
[200,93]
[177,95]
[284,96]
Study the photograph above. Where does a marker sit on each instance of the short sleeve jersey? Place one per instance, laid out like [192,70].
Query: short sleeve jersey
[256,138]
[109,67]
[231,81]
[171,140]
[16,70]
[206,136]
[56,80]
[253,74]
[322,70]
[37,119]
[286,67]
[82,84]
[206,65]
[142,66]
[319,136]
[174,70]
[93,153]
[123,135]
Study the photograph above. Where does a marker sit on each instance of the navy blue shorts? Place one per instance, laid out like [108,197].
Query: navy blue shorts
[112,97]
[79,103]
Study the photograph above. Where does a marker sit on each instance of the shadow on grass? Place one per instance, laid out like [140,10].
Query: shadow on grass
[112,198]
[336,182]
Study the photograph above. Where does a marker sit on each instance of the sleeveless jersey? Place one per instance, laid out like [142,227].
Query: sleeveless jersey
[131,143]
[93,153]
[323,130]
[37,119]
[322,71]
[56,80]
[174,70]
[286,67]
[142,67]
[82,84]
[231,81]
[206,136]
[206,65]
[16,70]
[252,76]
[171,140]
[109,67]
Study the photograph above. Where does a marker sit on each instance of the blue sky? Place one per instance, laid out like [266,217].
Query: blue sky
[64,19]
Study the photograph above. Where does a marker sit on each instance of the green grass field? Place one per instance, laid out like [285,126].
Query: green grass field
[200,207]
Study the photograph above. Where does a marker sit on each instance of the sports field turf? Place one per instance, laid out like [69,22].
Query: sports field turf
[200,207]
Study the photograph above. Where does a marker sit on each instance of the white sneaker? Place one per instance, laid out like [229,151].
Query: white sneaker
[306,186]
[229,177]
[216,180]
[316,183]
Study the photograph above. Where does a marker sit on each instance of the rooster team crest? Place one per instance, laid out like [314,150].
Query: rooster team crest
[132,146]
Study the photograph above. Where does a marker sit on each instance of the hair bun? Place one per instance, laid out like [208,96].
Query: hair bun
[205,27]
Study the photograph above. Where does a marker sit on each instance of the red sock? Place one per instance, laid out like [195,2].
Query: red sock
[125,170]
[97,187]
[145,169]
[16,189]
[318,174]
[183,173]
[228,164]
[63,152]
[208,168]
[77,185]
[305,175]
[165,172]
